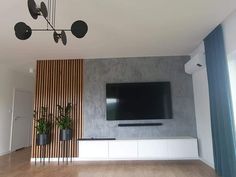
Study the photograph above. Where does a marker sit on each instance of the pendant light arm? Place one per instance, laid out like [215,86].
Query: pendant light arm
[45,30]
[50,24]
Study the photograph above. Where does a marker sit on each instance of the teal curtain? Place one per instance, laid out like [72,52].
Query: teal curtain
[220,104]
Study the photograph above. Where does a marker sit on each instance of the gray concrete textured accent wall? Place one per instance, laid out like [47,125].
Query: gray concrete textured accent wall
[98,72]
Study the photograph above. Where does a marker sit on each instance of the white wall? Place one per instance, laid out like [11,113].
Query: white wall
[8,81]
[232,74]
[202,111]
[229,27]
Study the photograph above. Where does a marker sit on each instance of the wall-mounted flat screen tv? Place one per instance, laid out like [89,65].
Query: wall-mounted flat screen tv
[138,101]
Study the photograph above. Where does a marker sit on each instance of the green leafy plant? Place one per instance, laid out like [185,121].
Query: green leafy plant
[43,123]
[64,120]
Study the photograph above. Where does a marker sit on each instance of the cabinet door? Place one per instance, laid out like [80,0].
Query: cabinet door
[93,149]
[183,149]
[123,149]
[152,149]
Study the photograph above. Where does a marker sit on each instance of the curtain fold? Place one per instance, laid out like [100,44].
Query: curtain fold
[220,104]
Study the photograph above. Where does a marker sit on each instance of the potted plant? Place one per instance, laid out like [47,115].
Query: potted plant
[43,126]
[64,122]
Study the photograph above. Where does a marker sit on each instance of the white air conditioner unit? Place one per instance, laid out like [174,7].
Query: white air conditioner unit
[196,63]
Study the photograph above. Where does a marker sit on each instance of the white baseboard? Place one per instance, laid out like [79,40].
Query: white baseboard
[77,159]
[5,153]
[207,163]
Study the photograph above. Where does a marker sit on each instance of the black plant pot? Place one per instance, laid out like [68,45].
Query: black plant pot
[42,139]
[65,134]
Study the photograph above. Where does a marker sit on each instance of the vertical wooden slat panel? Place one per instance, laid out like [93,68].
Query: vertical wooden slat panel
[59,82]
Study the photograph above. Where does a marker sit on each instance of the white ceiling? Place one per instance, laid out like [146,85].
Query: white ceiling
[117,28]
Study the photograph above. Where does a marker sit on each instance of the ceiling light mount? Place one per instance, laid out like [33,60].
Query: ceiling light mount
[22,31]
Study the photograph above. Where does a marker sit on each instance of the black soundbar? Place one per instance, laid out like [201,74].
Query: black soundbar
[139,124]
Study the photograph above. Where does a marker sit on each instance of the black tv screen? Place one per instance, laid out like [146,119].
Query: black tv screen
[138,101]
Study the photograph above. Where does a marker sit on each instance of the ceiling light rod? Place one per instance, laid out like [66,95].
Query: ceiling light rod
[50,24]
[46,30]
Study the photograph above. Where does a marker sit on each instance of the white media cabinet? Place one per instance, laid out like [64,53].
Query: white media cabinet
[179,148]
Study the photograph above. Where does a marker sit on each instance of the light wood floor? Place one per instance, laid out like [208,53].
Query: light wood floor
[17,165]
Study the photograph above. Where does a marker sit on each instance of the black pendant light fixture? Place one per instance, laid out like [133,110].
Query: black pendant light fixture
[22,31]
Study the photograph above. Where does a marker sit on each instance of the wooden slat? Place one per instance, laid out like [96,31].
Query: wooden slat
[59,82]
